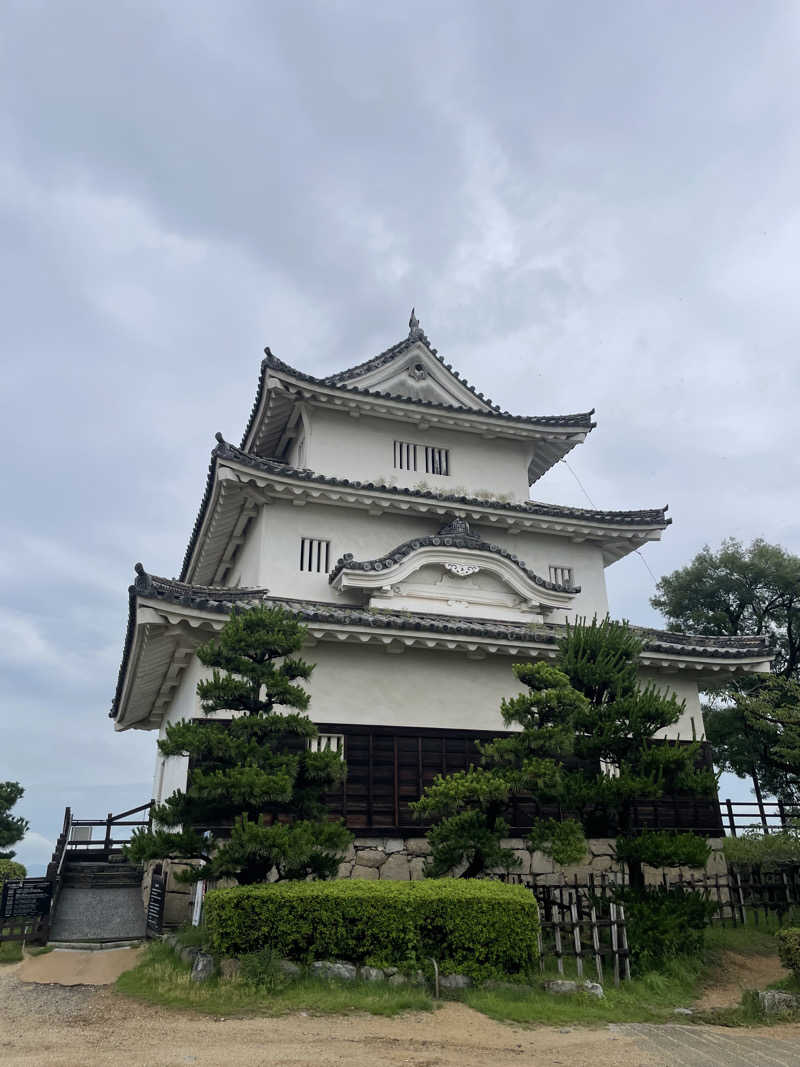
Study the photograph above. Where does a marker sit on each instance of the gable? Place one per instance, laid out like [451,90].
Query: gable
[416,374]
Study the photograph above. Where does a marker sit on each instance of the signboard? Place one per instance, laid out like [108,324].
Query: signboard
[25,897]
[155,904]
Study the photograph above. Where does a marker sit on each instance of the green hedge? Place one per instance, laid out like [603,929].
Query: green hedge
[473,927]
[789,948]
[11,869]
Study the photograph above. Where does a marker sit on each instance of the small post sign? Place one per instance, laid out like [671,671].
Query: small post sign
[199,896]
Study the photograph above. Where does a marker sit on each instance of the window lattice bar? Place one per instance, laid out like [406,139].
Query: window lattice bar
[561,575]
[315,555]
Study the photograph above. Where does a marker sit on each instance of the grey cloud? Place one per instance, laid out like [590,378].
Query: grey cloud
[589,205]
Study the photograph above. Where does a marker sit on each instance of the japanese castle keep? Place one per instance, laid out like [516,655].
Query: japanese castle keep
[388,507]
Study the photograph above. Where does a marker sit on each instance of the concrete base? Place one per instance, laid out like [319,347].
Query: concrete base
[98,915]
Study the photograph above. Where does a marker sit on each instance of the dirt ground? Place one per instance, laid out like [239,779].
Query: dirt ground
[92,1026]
[738,973]
[68,967]
[113,1030]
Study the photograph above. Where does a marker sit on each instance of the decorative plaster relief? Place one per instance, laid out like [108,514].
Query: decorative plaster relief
[461,570]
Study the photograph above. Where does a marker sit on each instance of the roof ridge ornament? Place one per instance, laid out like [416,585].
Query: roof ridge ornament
[143,583]
[458,527]
[415,331]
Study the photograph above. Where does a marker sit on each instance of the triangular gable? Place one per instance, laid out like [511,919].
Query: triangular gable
[413,369]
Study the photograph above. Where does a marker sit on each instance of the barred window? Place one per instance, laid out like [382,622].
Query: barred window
[315,555]
[405,456]
[327,743]
[561,575]
[437,460]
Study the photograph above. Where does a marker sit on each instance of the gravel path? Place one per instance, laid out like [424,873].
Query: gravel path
[39,1004]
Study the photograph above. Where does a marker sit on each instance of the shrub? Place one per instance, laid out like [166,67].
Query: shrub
[664,848]
[11,869]
[663,923]
[768,851]
[480,928]
[789,948]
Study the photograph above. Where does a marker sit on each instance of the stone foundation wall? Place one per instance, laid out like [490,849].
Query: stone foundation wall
[401,859]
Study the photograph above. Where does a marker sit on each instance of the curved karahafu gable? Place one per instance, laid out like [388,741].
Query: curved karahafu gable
[454,571]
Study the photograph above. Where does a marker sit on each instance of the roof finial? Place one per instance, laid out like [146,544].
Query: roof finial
[415,331]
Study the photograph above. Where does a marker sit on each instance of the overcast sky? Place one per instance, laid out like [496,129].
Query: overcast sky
[589,204]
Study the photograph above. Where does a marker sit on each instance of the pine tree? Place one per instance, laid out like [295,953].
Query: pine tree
[12,827]
[615,733]
[254,804]
[585,744]
[469,807]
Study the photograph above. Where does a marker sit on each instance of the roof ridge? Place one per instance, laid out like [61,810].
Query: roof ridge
[577,418]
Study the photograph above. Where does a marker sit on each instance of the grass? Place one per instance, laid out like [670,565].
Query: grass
[649,998]
[646,998]
[161,978]
[10,951]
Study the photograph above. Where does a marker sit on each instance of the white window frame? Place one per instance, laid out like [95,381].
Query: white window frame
[315,555]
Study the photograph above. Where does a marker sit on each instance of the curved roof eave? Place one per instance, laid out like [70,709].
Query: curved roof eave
[581,421]
[646,519]
[695,651]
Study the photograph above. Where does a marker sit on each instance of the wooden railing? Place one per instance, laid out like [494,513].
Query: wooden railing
[84,845]
[765,816]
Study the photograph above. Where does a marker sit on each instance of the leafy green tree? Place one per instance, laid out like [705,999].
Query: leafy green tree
[255,776]
[12,827]
[759,733]
[744,591]
[738,591]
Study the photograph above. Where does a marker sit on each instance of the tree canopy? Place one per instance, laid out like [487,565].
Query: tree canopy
[737,590]
[254,803]
[751,722]
[12,827]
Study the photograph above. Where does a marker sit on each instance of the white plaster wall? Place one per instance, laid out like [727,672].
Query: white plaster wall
[364,684]
[273,547]
[247,565]
[362,449]
[690,724]
[185,705]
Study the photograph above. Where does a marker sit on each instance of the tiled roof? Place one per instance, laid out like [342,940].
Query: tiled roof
[581,420]
[222,600]
[225,450]
[456,534]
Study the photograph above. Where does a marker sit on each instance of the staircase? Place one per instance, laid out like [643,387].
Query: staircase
[99,902]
